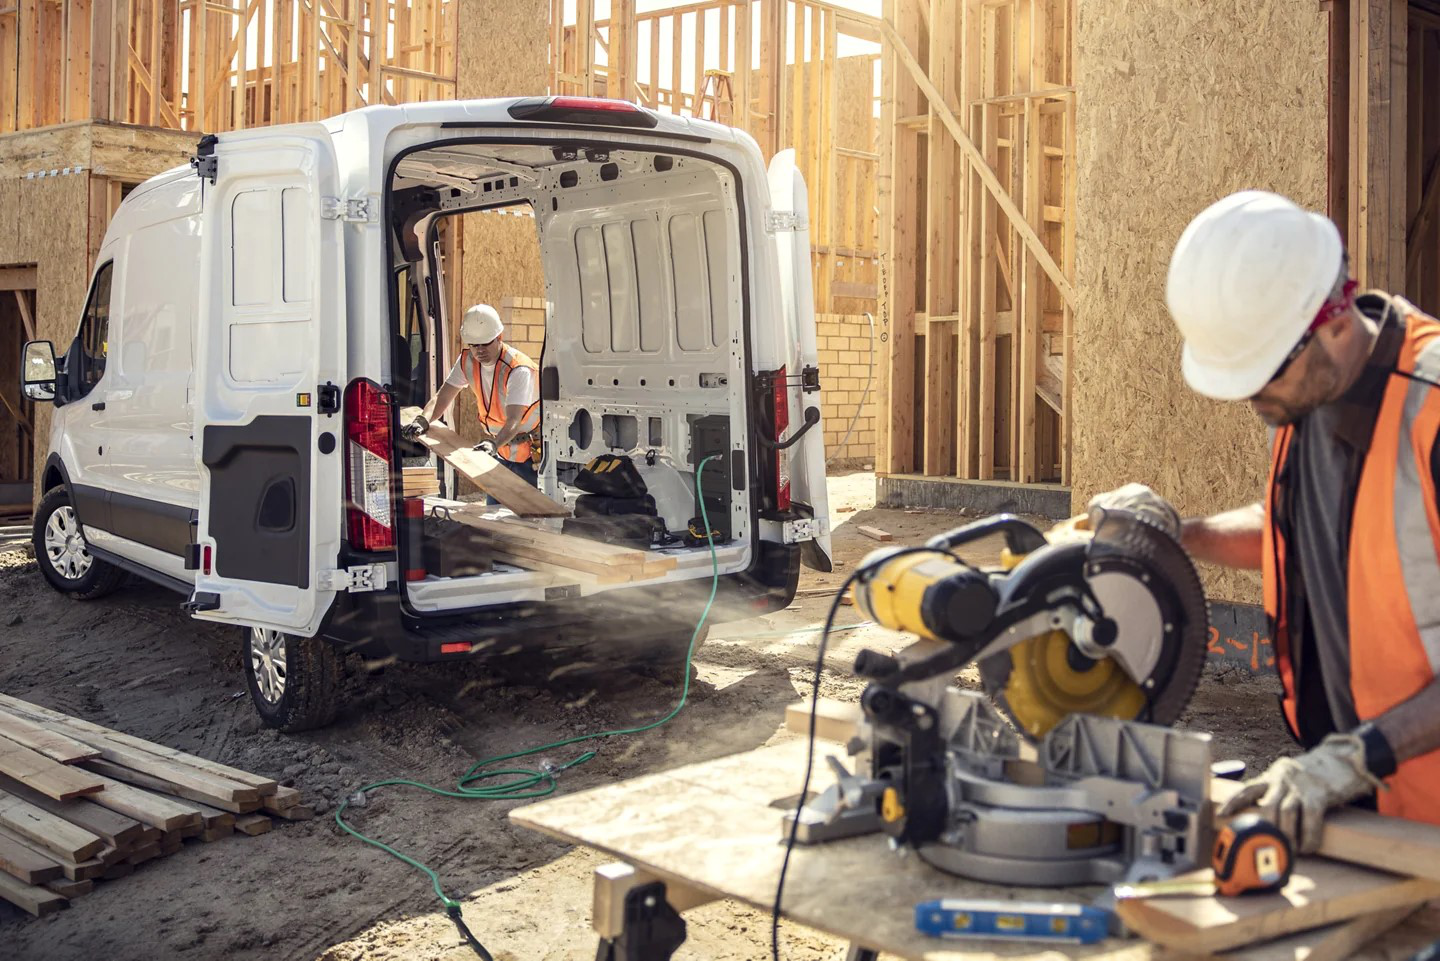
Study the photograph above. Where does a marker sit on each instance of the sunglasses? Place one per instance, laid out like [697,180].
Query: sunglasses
[1328,312]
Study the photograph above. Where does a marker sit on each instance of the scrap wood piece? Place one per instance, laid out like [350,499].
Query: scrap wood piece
[1320,892]
[53,744]
[35,770]
[285,797]
[181,787]
[50,832]
[298,812]
[485,472]
[1367,838]
[118,742]
[834,720]
[71,889]
[25,864]
[145,807]
[1335,942]
[28,897]
[252,824]
[117,829]
[875,533]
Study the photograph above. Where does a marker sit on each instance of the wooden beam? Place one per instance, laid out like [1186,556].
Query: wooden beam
[1016,217]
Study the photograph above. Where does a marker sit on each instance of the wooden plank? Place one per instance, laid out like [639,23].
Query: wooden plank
[53,833]
[252,824]
[834,720]
[209,816]
[19,278]
[54,745]
[485,472]
[71,889]
[117,829]
[876,534]
[25,864]
[35,900]
[1335,942]
[1319,892]
[179,788]
[298,812]
[72,870]
[39,772]
[145,807]
[1017,219]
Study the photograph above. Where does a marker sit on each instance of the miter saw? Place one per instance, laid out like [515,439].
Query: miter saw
[1062,770]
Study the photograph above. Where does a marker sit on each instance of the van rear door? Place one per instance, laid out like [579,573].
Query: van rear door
[791,209]
[270,355]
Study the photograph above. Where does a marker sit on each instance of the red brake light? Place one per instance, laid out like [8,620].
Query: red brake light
[583,110]
[781,401]
[368,514]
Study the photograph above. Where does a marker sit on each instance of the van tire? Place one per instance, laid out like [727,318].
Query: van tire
[664,654]
[73,570]
[300,689]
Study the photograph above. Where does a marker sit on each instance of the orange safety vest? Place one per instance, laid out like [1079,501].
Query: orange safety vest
[1393,565]
[492,407]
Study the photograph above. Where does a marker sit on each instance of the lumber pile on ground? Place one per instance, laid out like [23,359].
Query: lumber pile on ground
[577,558]
[81,803]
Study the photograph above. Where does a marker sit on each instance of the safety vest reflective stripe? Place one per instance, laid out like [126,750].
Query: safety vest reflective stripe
[1393,568]
[492,407]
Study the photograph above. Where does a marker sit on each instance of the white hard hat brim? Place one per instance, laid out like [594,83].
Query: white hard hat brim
[1222,378]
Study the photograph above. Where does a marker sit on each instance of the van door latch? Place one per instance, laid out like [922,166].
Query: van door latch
[356,210]
[328,396]
[356,580]
[778,220]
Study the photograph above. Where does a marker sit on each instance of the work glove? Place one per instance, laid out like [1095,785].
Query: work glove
[1295,792]
[1140,500]
[486,447]
[415,428]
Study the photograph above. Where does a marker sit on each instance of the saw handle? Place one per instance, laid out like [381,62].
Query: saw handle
[1021,536]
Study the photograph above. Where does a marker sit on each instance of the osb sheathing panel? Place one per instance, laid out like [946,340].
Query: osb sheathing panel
[1179,104]
[502,48]
[45,222]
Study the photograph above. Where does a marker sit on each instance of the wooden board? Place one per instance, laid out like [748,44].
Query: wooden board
[1320,892]
[179,785]
[834,720]
[1331,943]
[39,772]
[46,830]
[70,889]
[485,472]
[52,744]
[876,534]
[25,863]
[252,824]
[145,807]
[117,829]
[36,900]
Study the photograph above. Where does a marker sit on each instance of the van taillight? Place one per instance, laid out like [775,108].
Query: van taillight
[781,402]
[369,520]
[586,110]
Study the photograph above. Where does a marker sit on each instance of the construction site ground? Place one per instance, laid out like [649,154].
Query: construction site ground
[135,662]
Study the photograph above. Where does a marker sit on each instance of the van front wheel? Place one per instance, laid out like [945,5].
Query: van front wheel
[294,681]
[63,555]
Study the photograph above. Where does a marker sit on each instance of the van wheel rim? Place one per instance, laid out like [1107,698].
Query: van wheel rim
[65,545]
[267,662]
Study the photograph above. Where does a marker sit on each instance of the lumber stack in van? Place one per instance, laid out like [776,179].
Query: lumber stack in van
[521,544]
[81,803]
[419,482]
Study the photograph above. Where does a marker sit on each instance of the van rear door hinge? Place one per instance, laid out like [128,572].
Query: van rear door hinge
[778,220]
[204,162]
[356,580]
[804,529]
[357,210]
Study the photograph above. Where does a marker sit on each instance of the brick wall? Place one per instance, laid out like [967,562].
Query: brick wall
[845,357]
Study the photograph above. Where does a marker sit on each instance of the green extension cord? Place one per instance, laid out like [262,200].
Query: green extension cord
[524,783]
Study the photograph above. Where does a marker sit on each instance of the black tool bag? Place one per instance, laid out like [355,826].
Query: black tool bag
[452,549]
[637,531]
[598,505]
[611,475]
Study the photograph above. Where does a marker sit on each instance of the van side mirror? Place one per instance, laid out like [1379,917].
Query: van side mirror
[37,370]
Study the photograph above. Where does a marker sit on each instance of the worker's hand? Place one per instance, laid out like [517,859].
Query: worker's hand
[1141,500]
[486,446]
[1295,792]
[415,428]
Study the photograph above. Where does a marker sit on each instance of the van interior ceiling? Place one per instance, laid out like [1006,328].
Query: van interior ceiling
[642,366]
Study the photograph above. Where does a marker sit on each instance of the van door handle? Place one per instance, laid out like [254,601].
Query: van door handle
[98,405]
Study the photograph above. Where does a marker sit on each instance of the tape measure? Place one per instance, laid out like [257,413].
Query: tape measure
[1251,854]
[1012,920]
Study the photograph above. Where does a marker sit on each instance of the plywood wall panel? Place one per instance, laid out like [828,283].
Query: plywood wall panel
[503,48]
[1180,104]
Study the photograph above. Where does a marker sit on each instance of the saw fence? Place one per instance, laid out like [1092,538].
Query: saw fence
[81,803]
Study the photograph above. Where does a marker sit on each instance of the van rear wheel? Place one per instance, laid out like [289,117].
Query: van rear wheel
[294,681]
[64,556]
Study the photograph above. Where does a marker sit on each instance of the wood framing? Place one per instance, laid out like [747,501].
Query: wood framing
[980,311]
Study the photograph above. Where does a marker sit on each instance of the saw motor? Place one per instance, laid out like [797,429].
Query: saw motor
[1063,769]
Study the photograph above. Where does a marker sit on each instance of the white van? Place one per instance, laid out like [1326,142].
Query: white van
[228,413]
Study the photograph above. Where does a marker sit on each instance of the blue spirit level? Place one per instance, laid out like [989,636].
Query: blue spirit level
[1015,920]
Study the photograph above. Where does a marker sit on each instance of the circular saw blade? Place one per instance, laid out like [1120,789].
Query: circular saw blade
[1146,583]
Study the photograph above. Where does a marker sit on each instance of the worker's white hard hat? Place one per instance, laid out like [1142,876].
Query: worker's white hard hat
[1246,280]
[480,325]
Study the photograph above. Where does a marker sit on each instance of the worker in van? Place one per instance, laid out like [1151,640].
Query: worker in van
[506,387]
[1348,534]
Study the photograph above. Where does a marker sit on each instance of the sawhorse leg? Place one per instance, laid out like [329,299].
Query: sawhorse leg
[637,915]
[858,953]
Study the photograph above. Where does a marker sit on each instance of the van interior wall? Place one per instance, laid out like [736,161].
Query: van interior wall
[1207,107]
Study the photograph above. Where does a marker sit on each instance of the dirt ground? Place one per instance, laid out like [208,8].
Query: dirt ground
[306,891]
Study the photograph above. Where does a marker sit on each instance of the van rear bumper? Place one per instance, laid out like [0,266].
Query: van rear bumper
[375,624]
